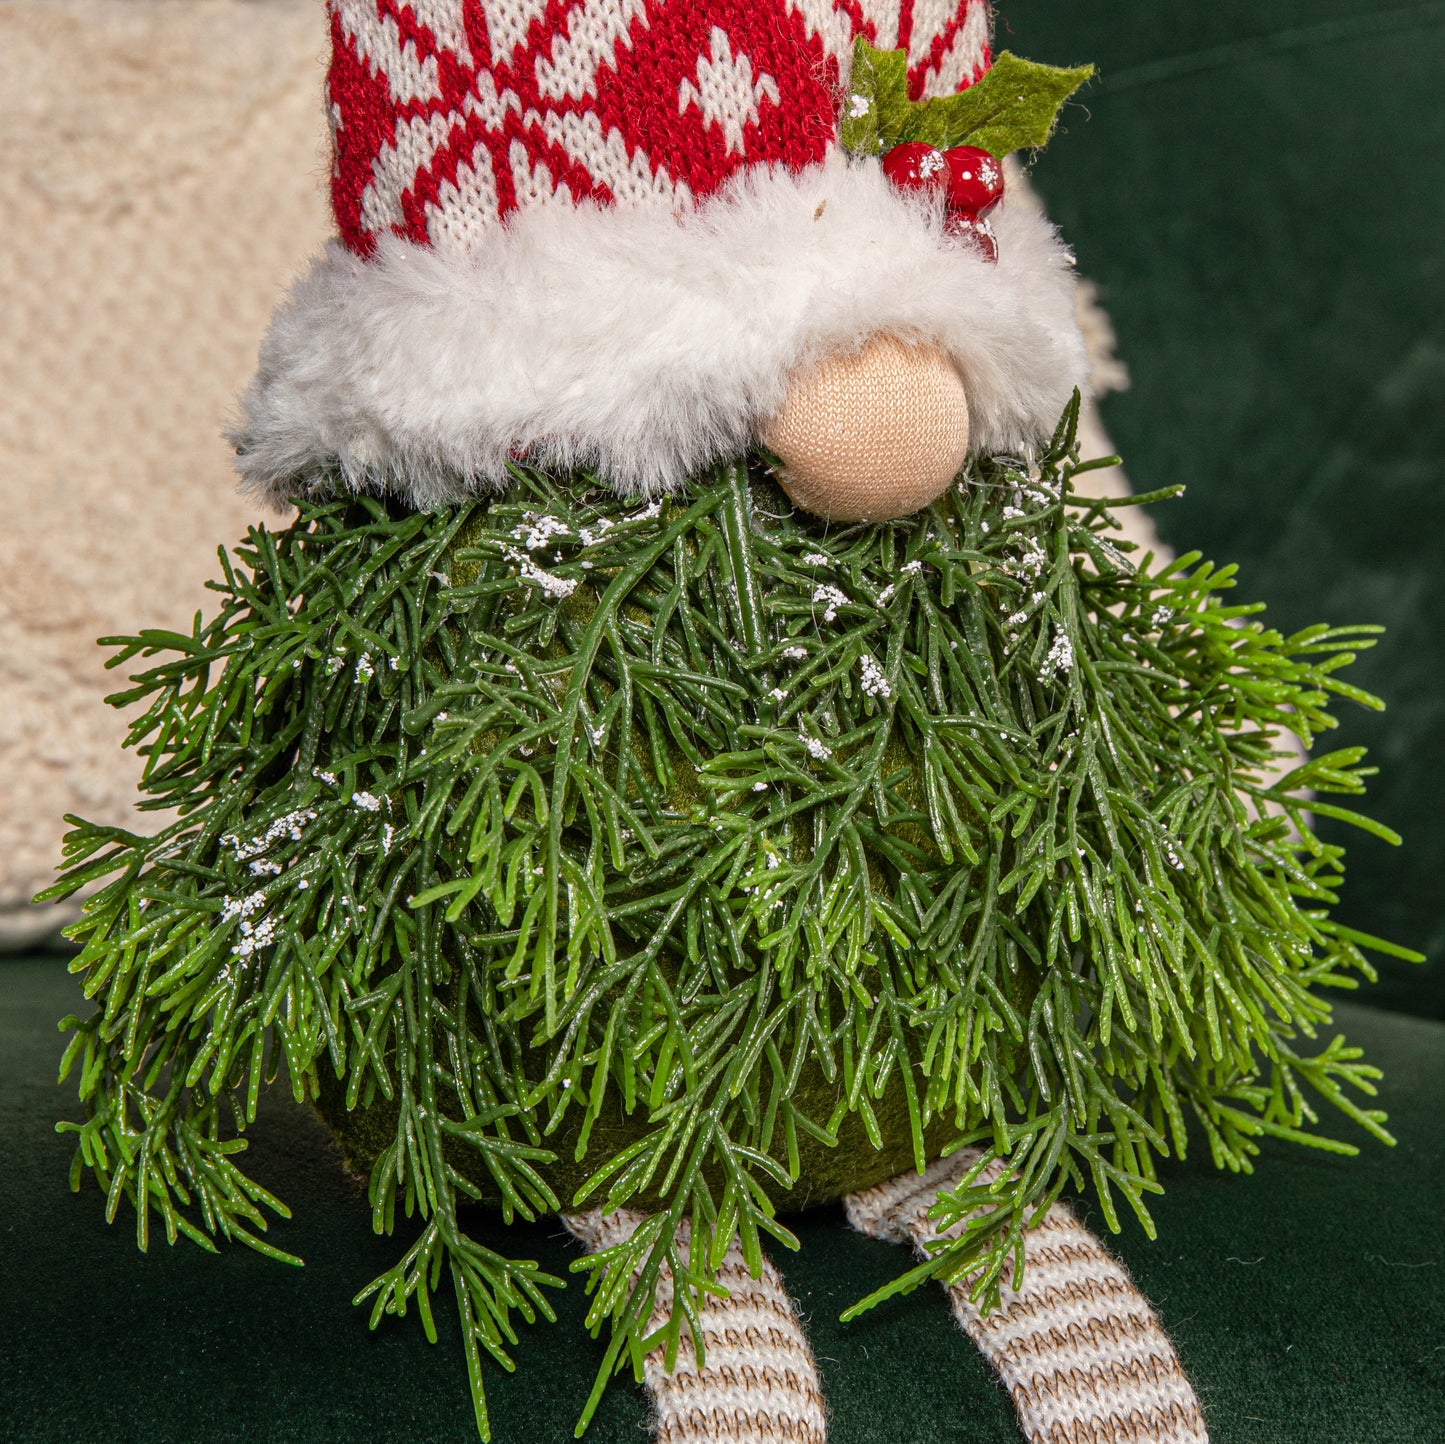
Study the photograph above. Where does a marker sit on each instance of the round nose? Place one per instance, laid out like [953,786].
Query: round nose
[873,435]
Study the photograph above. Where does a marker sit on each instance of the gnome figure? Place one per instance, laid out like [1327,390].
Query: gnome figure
[693,756]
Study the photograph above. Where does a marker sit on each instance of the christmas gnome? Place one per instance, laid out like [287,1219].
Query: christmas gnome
[694,754]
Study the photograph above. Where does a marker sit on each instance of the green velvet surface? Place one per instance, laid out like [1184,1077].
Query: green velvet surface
[1307,1301]
[1260,191]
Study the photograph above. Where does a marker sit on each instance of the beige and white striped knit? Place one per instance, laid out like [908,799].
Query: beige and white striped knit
[759,1384]
[1077,1346]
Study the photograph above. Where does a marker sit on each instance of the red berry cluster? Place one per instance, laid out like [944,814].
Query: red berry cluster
[970,179]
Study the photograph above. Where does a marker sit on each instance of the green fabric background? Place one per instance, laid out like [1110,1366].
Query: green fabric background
[1260,190]
[1307,1301]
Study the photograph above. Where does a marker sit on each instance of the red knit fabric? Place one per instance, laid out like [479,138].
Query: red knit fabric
[447,115]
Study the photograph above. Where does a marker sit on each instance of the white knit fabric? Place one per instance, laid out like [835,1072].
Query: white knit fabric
[758,1384]
[1077,1346]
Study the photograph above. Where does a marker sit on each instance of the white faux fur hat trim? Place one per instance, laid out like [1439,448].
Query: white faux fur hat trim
[640,343]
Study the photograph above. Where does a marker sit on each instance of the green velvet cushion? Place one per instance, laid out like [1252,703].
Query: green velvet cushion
[1307,1301]
[1259,187]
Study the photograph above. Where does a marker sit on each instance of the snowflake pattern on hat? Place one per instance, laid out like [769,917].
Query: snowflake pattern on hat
[447,115]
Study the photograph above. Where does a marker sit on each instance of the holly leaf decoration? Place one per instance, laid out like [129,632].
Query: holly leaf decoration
[1015,106]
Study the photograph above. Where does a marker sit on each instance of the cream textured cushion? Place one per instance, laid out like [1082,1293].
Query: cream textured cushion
[161,180]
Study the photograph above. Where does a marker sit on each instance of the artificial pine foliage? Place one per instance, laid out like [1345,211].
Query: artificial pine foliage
[701,857]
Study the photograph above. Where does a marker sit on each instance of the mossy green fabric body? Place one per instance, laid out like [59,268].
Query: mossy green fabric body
[1259,190]
[1307,1301]
[826,1172]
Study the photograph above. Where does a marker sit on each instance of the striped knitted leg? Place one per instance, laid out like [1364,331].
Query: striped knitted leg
[759,1384]
[1078,1347]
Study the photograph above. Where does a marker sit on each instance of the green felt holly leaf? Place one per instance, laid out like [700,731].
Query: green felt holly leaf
[1015,106]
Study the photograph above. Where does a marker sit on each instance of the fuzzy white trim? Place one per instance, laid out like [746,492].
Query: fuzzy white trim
[640,343]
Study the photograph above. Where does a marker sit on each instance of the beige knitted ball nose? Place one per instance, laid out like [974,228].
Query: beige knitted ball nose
[874,435]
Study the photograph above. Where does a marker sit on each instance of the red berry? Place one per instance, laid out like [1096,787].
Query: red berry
[972,231]
[975,180]
[916,166]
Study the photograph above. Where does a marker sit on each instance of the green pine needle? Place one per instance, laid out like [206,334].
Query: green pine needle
[557,811]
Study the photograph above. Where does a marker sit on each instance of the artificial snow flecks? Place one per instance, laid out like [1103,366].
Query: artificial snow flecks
[558,588]
[288,826]
[1060,658]
[388,838]
[538,530]
[366,801]
[242,907]
[364,668]
[817,559]
[779,694]
[321,775]
[818,750]
[874,683]
[254,932]
[1031,562]
[1162,617]
[254,936]
[831,598]
[908,569]
[793,654]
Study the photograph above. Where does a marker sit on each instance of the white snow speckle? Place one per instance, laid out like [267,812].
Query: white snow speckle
[819,751]
[832,598]
[557,587]
[875,684]
[1060,657]
[537,530]
[288,826]
[366,801]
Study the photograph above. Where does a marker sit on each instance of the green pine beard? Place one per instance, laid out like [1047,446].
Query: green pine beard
[737,862]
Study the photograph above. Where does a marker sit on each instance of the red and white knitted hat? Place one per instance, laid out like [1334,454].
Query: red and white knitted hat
[607,233]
